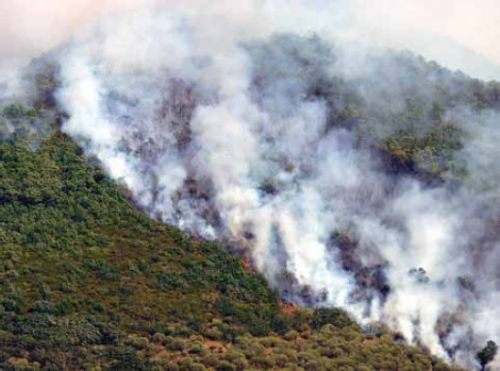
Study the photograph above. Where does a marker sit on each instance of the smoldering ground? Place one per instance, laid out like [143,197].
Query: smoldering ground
[291,146]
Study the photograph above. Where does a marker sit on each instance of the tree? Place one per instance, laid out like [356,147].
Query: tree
[487,354]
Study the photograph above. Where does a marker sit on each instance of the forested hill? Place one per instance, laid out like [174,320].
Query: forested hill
[88,282]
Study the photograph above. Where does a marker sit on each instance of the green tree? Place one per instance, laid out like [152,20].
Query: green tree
[487,354]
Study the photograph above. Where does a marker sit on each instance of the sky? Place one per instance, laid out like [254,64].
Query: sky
[460,34]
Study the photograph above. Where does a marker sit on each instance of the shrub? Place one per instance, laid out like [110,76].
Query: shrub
[196,348]
[137,342]
[213,333]
[159,338]
[291,335]
[334,316]
[225,366]
[176,344]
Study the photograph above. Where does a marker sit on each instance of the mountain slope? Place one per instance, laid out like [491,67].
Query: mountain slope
[88,282]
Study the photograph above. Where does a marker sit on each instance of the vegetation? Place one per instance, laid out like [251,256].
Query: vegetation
[424,144]
[487,354]
[24,122]
[88,282]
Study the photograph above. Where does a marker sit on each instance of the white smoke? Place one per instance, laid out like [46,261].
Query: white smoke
[218,122]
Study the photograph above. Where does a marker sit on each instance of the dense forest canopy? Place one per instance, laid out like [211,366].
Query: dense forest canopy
[89,282]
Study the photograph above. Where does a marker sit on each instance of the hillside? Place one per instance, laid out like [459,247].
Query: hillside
[89,282]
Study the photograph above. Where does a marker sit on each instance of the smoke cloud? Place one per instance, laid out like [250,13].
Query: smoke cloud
[240,123]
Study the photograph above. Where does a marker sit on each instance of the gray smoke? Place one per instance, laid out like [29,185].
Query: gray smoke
[273,141]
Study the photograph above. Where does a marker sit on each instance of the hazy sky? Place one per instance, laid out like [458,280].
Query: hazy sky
[448,30]
[475,24]
[458,33]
